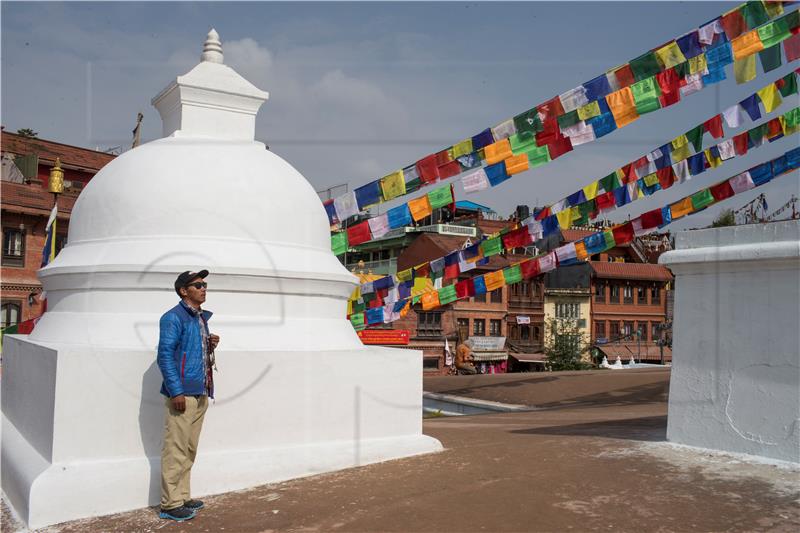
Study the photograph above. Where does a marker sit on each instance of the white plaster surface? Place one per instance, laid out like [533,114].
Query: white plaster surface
[735,382]
[297,392]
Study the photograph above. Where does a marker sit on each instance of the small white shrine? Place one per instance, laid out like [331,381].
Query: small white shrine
[297,392]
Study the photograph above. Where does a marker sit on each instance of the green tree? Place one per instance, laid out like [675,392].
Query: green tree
[27,132]
[725,218]
[565,344]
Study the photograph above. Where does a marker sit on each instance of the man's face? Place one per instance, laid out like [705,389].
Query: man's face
[195,291]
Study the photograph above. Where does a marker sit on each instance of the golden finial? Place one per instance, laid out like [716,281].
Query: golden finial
[56,182]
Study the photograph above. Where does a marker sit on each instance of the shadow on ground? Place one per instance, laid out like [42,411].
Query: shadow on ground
[646,429]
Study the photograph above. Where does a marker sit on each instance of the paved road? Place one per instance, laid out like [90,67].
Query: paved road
[594,459]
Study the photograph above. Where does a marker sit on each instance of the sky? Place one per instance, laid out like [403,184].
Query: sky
[358,90]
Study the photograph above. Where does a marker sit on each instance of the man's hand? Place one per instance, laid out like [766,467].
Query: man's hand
[179,403]
[213,340]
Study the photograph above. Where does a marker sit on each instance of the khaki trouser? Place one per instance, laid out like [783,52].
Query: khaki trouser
[181,433]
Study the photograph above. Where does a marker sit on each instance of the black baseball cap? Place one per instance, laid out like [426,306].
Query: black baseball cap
[186,277]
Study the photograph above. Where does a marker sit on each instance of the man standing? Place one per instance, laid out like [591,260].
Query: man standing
[186,358]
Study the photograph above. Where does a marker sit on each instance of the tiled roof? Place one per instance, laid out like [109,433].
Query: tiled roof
[604,269]
[570,235]
[430,246]
[75,156]
[33,199]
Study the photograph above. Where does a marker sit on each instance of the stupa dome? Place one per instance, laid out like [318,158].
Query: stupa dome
[207,195]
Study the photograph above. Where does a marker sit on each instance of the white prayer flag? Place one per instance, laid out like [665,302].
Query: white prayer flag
[681,169]
[379,226]
[742,182]
[566,252]
[547,262]
[346,206]
[475,181]
[504,130]
[574,98]
[726,150]
[734,116]
[580,133]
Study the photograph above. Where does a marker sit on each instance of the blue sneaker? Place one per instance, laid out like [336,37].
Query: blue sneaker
[193,505]
[179,514]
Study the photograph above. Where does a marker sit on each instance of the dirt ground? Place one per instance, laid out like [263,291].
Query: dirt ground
[592,458]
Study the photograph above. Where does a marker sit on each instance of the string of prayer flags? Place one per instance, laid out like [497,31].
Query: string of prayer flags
[658,78]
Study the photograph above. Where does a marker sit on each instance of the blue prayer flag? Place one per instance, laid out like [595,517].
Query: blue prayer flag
[480,285]
[697,163]
[375,315]
[482,139]
[549,225]
[597,88]
[761,174]
[399,216]
[793,158]
[602,124]
[690,44]
[496,173]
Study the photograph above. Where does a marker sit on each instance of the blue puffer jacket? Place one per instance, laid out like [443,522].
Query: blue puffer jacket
[180,352]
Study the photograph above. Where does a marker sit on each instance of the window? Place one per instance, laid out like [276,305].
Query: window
[494,328]
[655,295]
[627,294]
[481,298]
[463,328]
[655,335]
[430,363]
[600,329]
[479,327]
[513,332]
[600,292]
[535,290]
[13,247]
[537,333]
[523,287]
[10,314]
[515,289]
[429,324]
[641,295]
[568,310]
[614,293]
[627,328]
[525,332]
[614,330]
[641,329]
[497,296]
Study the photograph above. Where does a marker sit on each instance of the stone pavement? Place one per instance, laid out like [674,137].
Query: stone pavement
[592,458]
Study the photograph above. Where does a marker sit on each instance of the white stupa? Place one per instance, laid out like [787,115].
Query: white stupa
[297,392]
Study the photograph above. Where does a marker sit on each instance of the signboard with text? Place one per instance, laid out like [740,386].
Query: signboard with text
[487,344]
[384,336]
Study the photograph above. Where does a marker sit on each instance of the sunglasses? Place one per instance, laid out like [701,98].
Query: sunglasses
[198,285]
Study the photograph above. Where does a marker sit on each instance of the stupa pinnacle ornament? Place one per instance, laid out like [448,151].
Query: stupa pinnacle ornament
[212,48]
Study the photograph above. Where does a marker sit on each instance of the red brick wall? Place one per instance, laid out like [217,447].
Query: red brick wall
[636,312]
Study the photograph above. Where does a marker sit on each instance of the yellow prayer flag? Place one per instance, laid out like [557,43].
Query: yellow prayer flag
[620,175]
[498,151]
[580,251]
[356,294]
[588,111]
[462,148]
[421,285]
[590,191]
[774,9]
[393,185]
[680,153]
[713,162]
[349,307]
[670,55]
[650,179]
[494,280]
[746,44]
[770,97]
[698,64]
[516,164]
[679,141]
[404,275]
[564,218]
[420,208]
[430,300]
[622,107]
[745,69]
[681,208]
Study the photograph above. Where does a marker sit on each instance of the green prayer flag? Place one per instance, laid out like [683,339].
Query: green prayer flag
[757,134]
[569,119]
[682,69]
[359,306]
[528,122]
[512,274]
[773,33]
[587,208]
[440,197]
[792,19]
[608,235]
[447,294]
[415,299]
[357,320]
[520,143]
[368,297]
[537,155]
[645,66]
[645,94]
[754,13]
[789,85]
[339,243]
[695,136]
[578,218]
[491,246]
[770,57]
[702,199]
[610,182]
[792,118]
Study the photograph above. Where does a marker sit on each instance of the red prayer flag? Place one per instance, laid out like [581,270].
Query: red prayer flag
[559,147]
[625,76]
[549,134]
[550,110]
[774,128]
[358,233]
[666,177]
[714,127]
[740,143]
[605,201]
[517,238]
[529,268]
[449,170]
[462,288]
[543,214]
[623,234]
[629,173]
[792,47]
[451,271]
[427,169]
[669,82]
[422,271]
[722,190]
[734,24]
[651,219]
[442,158]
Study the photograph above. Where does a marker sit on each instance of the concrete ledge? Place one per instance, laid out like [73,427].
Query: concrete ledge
[451,405]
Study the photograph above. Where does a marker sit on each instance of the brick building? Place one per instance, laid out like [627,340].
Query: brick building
[26,205]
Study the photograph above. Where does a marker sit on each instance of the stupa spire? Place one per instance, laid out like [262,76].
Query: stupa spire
[212,48]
